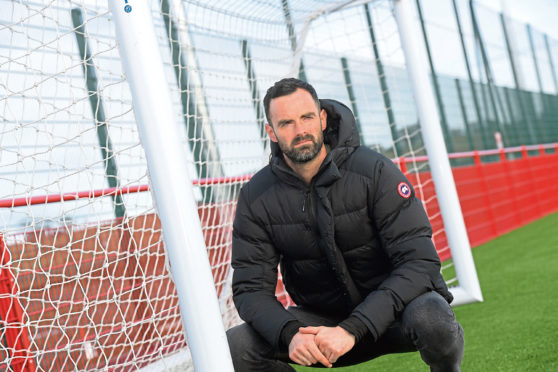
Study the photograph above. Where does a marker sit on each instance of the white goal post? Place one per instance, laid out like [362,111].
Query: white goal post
[171,186]
[468,290]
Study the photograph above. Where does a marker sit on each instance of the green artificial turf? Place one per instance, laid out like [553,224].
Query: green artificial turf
[516,327]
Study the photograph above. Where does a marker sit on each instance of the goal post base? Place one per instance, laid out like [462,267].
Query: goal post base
[462,296]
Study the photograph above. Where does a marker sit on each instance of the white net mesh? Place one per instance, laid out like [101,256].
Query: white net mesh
[91,289]
[84,283]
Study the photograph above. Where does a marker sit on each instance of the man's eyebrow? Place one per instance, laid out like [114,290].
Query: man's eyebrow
[284,121]
[305,115]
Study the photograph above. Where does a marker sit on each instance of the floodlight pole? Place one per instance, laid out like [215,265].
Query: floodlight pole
[417,67]
[171,185]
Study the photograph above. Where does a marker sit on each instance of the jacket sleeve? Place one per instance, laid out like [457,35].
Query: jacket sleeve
[405,235]
[255,261]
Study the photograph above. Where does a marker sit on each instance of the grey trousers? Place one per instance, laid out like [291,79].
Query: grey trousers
[427,325]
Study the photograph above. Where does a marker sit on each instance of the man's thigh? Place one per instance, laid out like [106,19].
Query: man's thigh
[393,341]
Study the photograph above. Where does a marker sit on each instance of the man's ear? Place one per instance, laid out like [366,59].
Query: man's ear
[323,118]
[270,132]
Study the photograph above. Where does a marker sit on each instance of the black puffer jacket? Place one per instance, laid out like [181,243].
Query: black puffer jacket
[354,242]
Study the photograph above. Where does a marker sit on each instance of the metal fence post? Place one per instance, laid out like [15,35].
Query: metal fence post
[551,63]
[399,151]
[96,101]
[253,83]
[201,138]
[470,76]
[351,94]
[435,83]
[487,70]
[292,36]
[464,114]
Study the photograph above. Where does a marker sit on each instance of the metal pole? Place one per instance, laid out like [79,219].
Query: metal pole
[470,75]
[383,86]
[351,93]
[485,109]
[514,123]
[256,101]
[292,36]
[534,56]
[96,102]
[523,111]
[201,138]
[554,101]
[551,63]
[464,113]
[436,84]
[469,288]
[509,50]
[171,186]
[487,70]
[542,128]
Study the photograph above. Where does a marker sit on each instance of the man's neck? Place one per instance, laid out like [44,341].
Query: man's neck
[309,169]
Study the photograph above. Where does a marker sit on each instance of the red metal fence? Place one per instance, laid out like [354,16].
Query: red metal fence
[126,259]
[497,196]
[70,285]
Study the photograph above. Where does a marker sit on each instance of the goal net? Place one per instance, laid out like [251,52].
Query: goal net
[84,279]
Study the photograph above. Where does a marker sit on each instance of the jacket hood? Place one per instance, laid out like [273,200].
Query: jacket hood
[341,131]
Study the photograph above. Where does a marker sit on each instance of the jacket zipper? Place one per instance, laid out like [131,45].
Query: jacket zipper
[308,209]
[306,195]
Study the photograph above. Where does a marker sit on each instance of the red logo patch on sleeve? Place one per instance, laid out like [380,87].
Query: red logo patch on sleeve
[404,190]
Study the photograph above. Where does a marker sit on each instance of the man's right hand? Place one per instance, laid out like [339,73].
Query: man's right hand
[304,351]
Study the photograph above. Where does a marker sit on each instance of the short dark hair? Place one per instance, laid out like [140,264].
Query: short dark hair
[285,87]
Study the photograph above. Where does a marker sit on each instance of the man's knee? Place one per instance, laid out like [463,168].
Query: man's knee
[430,321]
[251,352]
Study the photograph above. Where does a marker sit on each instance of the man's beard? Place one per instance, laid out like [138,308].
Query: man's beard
[306,152]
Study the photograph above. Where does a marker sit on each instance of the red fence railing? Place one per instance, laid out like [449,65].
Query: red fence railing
[496,196]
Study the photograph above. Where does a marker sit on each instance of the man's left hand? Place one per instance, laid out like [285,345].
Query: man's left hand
[333,342]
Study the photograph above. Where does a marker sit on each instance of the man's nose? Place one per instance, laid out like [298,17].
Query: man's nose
[300,127]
